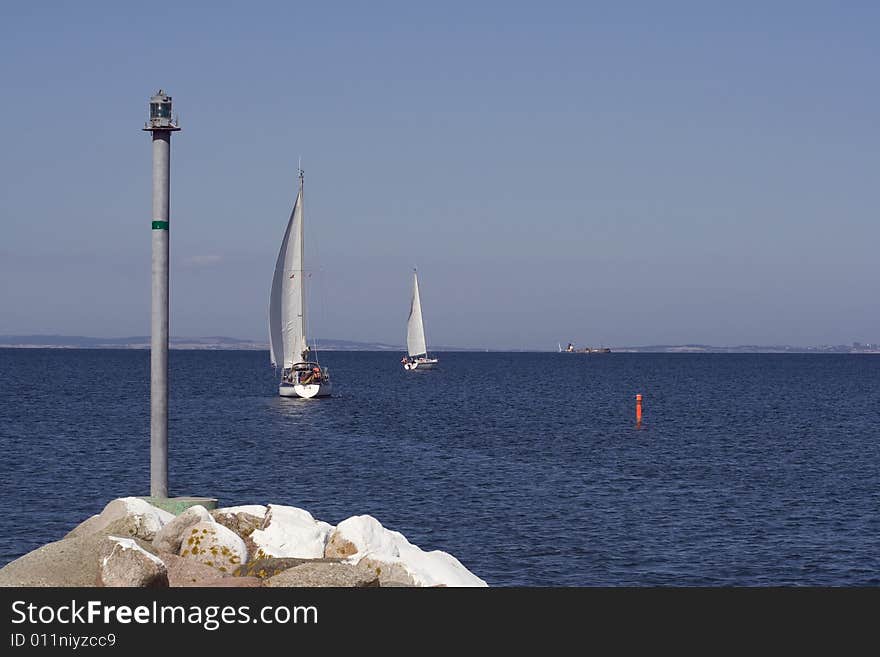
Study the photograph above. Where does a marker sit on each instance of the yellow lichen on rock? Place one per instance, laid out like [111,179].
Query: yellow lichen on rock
[338,547]
[215,545]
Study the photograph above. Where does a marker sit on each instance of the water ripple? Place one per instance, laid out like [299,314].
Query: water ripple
[748,470]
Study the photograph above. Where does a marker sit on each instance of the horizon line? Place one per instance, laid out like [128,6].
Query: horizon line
[138,339]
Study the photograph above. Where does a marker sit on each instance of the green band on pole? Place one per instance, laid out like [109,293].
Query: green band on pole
[160,225]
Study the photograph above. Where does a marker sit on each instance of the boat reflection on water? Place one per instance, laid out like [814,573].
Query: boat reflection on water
[293,408]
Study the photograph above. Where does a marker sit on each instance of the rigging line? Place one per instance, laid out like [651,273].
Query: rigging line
[309,295]
[322,300]
[309,286]
[320,291]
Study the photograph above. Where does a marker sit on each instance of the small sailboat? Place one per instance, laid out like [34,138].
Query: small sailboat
[417,350]
[301,374]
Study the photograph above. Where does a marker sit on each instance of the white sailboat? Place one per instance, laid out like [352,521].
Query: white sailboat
[301,375]
[417,350]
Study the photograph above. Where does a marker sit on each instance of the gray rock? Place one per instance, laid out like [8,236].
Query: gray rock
[391,584]
[234,582]
[130,526]
[144,519]
[169,537]
[123,562]
[241,523]
[388,573]
[271,566]
[323,574]
[188,572]
[68,562]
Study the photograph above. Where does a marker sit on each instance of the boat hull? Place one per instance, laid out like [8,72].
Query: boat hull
[307,391]
[427,364]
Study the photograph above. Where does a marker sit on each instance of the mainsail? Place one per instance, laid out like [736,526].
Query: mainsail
[287,315]
[415,330]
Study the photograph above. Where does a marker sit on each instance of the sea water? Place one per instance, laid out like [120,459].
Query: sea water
[748,469]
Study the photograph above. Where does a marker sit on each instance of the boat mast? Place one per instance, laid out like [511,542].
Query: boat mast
[302,274]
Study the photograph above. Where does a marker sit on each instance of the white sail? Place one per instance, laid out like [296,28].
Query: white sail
[415,330]
[287,316]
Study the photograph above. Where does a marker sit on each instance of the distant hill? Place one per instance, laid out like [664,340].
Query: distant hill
[143,342]
[351,345]
[750,349]
[130,342]
[223,342]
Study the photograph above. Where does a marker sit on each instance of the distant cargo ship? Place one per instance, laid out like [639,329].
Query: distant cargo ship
[570,349]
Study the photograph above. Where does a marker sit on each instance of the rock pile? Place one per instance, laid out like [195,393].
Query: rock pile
[132,543]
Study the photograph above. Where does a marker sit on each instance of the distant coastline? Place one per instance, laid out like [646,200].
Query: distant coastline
[855,348]
[206,342]
[143,342]
[238,344]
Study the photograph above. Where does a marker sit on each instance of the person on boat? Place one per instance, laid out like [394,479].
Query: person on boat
[310,376]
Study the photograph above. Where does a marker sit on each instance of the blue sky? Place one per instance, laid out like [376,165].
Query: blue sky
[602,173]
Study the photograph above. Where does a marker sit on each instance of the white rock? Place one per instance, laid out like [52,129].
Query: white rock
[124,506]
[291,532]
[257,510]
[213,544]
[130,544]
[378,545]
